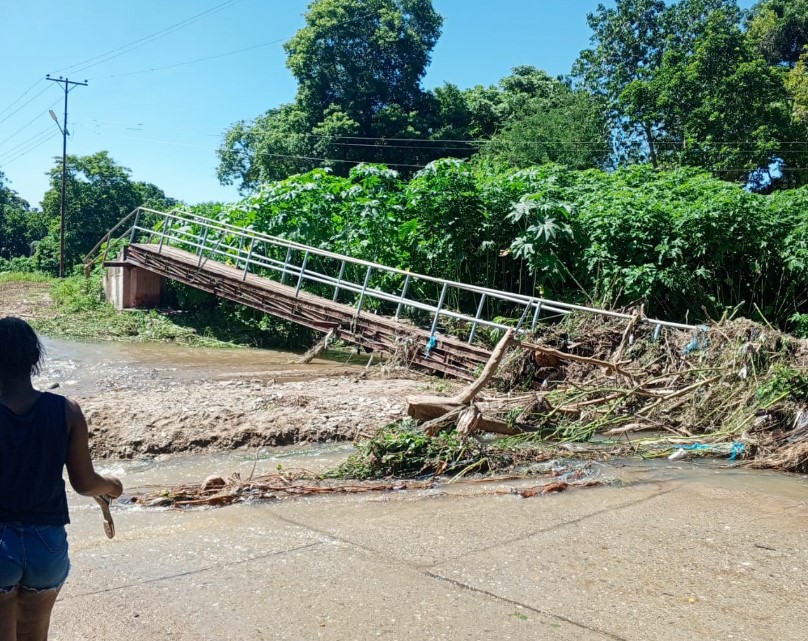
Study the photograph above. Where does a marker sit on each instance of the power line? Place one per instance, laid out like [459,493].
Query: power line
[5,163]
[135,44]
[381,142]
[355,162]
[213,57]
[27,124]
[190,62]
[714,166]
[581,142]
[13,149]
[27,102]
[20,97]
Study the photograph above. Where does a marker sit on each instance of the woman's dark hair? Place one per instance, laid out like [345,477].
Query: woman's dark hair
[20,349]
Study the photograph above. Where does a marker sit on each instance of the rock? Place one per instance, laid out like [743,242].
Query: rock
[212,482]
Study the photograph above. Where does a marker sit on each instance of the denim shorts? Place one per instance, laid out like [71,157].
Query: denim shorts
[32,557]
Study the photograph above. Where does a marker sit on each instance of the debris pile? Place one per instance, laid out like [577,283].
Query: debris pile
[217,491]
[585,389]
[735,388]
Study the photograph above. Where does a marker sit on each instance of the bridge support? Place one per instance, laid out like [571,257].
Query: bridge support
[127,286]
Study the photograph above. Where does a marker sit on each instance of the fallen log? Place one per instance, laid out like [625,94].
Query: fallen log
[434,409]
[564,356]
[467,395]
[440,411]
[318,349]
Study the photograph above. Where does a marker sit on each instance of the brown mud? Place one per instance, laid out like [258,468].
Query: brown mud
[26,300]
[211,415]
[142,400]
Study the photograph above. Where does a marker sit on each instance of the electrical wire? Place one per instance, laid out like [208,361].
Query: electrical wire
[330,160]
[11,150]
[26,103]
[28,124]
[21,96]
[30,149]
[381,142]
[714,168]
[136,44]
[189,62]
[213,57]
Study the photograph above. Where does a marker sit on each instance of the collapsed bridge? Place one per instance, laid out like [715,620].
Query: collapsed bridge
[371,305]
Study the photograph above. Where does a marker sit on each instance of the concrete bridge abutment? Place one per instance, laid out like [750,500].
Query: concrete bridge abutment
[128,287]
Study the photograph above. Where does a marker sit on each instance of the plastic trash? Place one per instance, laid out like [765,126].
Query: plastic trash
[680,453]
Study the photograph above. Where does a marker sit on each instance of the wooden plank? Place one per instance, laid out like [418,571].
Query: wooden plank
[381,333]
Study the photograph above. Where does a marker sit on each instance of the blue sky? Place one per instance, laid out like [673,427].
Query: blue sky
[166,124]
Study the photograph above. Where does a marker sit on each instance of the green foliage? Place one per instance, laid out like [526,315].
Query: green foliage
[347,111]
[99,193]
[331,56]
[689,245]
[401,450]
[798,324]
[783,383]
[78,294]
[17,265]
[797,85]
[341,93]
[567,126]
[779,29]
[626,47]
[82,314]
[20,227]
[23,276]
[686,84]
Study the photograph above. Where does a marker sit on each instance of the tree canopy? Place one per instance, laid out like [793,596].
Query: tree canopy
[99,193]
[359,65]
[19,225]
[779,29]
[689,84]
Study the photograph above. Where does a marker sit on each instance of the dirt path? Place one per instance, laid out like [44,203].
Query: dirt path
[25,300]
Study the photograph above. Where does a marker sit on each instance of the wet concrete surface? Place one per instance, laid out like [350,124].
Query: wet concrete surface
[673,552]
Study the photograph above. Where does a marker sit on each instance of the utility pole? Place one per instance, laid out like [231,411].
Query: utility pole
[63,128]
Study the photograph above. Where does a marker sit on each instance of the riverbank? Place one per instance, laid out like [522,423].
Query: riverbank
[149,399]
[156,398]
[585,387]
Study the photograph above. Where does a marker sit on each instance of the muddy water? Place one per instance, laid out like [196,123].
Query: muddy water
[89,368]
[86,368]
[174,469]
[145,476]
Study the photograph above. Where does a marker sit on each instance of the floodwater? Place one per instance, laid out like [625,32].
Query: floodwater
[87,368]
[82,368]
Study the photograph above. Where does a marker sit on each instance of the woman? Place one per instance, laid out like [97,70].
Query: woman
[40,434]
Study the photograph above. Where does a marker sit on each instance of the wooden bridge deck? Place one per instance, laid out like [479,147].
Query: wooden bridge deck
[379,333]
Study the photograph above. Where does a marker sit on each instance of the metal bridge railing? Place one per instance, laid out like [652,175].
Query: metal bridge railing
[258,253]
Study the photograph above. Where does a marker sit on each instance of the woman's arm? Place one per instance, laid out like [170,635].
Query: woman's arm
[83,477]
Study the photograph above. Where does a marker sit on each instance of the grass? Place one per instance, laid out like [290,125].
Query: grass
[24,277]
[401,450]
[81,313]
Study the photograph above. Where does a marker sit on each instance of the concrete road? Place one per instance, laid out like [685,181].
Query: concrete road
[678,555]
